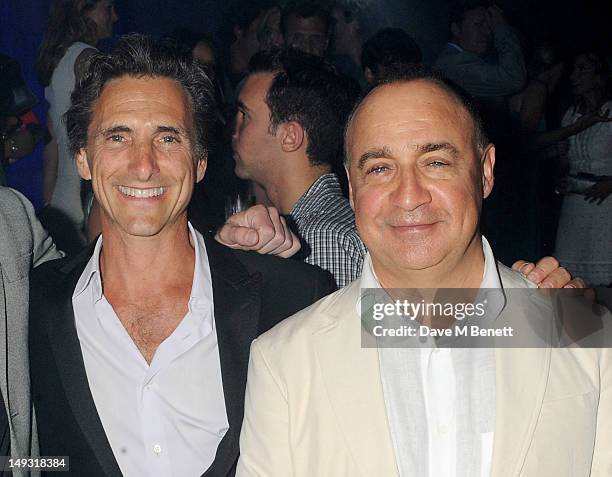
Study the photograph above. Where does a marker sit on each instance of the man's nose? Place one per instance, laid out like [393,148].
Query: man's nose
[410,190]
[143,164]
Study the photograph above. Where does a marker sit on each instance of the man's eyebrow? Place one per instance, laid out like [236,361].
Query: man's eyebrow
[170,129]
[437,146]
[241,105]
[115,129]
[375,153]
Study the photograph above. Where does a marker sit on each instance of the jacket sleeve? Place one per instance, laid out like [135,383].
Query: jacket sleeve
[264,441]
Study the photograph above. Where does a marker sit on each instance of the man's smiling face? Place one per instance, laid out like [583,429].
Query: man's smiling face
[140,155]
[417,177]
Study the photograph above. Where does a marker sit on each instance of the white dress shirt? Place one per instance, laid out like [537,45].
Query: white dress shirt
[166,418]
[441,401]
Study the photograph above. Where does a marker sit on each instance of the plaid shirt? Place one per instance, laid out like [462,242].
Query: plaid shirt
[325,222]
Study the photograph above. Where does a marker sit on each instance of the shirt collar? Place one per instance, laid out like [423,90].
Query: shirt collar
[325,183]
[201,290]
[490,277]
[91,276]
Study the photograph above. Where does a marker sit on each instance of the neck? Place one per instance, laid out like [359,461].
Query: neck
[138,265]
[289,187]
[465,271]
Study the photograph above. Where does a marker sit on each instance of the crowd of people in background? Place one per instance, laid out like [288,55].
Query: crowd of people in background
[553,172]
[296,132]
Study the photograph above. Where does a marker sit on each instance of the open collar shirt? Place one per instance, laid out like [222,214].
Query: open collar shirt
[166,418]
[440,402]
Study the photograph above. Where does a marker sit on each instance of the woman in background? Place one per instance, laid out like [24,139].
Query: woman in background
[584,236]
[75,27]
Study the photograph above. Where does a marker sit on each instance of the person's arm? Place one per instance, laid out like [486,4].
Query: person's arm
[548,138]
[482,79]
[50,163]
[264,441]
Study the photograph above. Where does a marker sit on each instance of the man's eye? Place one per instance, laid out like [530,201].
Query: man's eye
[169,139]
[377,169]
[438,164]
[115,138]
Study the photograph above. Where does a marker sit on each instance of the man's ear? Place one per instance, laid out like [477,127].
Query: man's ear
[291,135]
[201,167]
[369,75]
[350,186]
[488,165]
[82,165]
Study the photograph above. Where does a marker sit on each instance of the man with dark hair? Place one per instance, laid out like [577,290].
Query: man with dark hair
[288,139]
[139,345]
[244,21]
[306,26]
[337,390]
[387,50]
[473,26]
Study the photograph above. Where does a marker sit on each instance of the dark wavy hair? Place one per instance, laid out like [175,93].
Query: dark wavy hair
[139,56]
[67,23]
[308,89]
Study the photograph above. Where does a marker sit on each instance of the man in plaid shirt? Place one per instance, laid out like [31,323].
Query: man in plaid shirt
[288,139]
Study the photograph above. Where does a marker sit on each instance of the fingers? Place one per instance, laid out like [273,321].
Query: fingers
[261,229]
[239,231]
[292,243]
[549,274]
[235,236]
[523,267]
[271,233]
[575,283]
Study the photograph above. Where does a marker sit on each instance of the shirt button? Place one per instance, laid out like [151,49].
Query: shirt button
[443,429]
[157,449]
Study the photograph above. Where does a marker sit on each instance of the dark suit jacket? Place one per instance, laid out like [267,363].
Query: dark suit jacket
[251,294]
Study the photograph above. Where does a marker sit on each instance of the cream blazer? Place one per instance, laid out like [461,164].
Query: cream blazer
[315,407]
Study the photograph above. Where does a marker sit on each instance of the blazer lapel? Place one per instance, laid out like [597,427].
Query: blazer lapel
[236,296]
[352,378]
[521,377]
[69,359]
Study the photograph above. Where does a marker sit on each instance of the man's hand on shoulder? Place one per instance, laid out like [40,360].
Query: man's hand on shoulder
[547,273]
[261,229]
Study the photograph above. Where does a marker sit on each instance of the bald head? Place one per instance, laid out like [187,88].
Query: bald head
[446,93]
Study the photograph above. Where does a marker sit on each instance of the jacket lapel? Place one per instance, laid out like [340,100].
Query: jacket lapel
[236,296]
[69,359]
[521,377]
[352,377]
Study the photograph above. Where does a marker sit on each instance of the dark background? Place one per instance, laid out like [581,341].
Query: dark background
[572,25]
